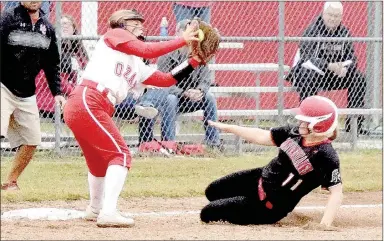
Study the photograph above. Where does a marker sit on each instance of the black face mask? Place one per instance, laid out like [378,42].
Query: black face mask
[295,130]
[294,125]
[141,38]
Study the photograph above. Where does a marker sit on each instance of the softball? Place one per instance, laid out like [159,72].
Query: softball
[200,35]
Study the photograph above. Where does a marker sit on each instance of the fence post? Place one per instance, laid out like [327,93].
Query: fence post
[89,16]
[239,140]
[257,99]
[58,15]
[368,63]
[280,94]
[353,132]
[374,62]
[57,129]
[377,54]
[57,107]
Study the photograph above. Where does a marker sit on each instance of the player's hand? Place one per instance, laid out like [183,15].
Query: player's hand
[194,94]
[335,67]
[60,100]
[190,33]
[343,72]
[218,125]
[319,227]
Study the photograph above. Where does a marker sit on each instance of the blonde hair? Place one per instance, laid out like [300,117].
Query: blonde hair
[72,20]
[334,134]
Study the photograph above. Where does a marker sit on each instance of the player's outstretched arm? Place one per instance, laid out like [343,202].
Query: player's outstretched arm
[178,74]
[334,202]
[254,135]
[127,43]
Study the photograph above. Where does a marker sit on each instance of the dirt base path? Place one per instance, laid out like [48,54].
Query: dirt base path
[353,222]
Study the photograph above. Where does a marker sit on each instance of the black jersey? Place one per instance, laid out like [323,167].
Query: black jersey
[298,169]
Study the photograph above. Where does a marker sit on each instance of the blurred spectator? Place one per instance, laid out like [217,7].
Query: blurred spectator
[73,59]
[126,109]
[179,99]
[28,45]
[45,6]
[330,65]
[189,10]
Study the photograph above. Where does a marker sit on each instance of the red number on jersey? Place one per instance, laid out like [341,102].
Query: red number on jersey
[119,69]
[119,72]
[127,72]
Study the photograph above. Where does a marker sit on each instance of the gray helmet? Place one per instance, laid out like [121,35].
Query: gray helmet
[118,18]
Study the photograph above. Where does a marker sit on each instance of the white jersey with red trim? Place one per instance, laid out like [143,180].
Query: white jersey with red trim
[119,72]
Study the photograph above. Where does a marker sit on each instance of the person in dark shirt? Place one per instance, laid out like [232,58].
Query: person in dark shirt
[190,96]
[28,45]
[329,65]
[305,161]
[46,6]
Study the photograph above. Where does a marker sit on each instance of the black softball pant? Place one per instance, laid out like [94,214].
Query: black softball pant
[234,198]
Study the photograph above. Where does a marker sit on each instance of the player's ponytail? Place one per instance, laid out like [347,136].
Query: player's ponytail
[334,135]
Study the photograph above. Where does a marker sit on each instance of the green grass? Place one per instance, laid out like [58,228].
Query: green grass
[66,178]
[186,127]
[132,128]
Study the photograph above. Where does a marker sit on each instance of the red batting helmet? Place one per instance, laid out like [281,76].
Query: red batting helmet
[320,113]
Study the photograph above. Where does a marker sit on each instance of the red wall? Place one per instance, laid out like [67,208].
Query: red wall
[247,19]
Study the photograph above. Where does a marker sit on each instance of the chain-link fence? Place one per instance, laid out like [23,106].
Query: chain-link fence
[272,55]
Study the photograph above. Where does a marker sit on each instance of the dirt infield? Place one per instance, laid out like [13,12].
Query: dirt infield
[354,223]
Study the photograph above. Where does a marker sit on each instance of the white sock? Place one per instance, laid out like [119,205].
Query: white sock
[96,191]
[114,182]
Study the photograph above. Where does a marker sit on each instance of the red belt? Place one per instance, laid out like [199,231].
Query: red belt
[263,195]
[101,88]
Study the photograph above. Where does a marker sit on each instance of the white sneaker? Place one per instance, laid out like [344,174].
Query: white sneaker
[115,220]
[146,111]
[91,214]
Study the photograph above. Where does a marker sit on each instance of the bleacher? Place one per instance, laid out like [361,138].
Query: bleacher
[251,58]
[237,115]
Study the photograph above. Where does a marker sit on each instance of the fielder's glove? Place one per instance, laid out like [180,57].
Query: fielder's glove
[208,47]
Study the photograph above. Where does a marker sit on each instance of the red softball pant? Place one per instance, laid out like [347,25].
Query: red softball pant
[88,113]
